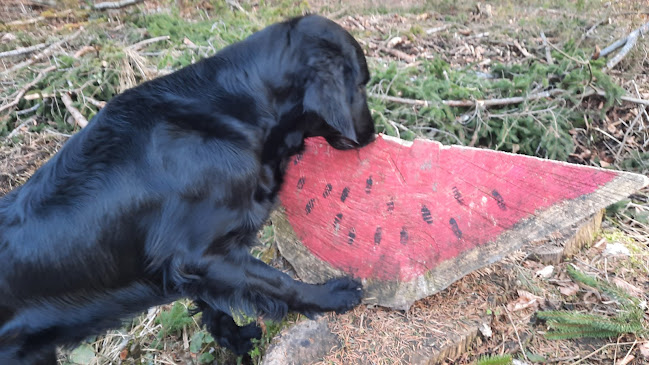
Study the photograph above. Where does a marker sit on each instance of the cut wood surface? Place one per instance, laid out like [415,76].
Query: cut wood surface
[567,242]
[409,219]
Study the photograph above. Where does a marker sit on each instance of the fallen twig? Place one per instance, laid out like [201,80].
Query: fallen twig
[599,92]
[37,96]
[19,128]
[29,110]
[628,132]
[629,42]
[76,114]
[399,54]
[51,131]
[235,4]
[145,42]
[469,103]
[26,21]
[522,50]
[518,337]
[83,51]
[338,13]
[23,50]
[46,53]
[548,54]
[98,103]
[581,62]
[115,4]
[502,101]
[619,43]
[438,29]
[22,91]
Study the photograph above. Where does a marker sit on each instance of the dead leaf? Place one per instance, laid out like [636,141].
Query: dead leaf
[188,42]
[569,290]
[525,300]
[611,128]
[627,359]
[644,350]
[123,354]
[630,289]
[596,53]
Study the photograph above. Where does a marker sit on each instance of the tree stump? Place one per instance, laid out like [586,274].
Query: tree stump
[567,242]
[410,218]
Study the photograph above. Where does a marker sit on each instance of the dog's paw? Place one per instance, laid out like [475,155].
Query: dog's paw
[227,333]
[238,339]
[341,295]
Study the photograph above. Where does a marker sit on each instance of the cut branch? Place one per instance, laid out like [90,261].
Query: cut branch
[437,29]
[499,102]
[469,103]
[522,50]
[22,50]
[22,91]
[76,114]
[98,103]
[25,22]
[630,41]
[84,50]
[46,53]
[548,54]
[399,54]
[20,127]
[602,93]
[145,42]
[115,4]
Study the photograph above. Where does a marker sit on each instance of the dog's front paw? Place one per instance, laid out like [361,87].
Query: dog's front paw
[341,295]
[237,339]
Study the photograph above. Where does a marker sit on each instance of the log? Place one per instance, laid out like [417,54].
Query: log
[303,343]
[410,218]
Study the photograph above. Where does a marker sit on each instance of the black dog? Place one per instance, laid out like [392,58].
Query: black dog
[162,195]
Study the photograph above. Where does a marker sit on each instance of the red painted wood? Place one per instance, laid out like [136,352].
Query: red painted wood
[390,211]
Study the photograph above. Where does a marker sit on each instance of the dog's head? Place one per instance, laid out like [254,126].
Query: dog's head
[334,82]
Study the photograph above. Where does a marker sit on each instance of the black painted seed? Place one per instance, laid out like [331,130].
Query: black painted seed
[327,191]
[457,195]
[403,236]
[378,235]
[499,200]
[425,213]
[390,206]
[352,237]
[310,205]
[455,228]
[344,195]
[368,185]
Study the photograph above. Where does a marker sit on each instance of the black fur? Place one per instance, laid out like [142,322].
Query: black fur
[162,195]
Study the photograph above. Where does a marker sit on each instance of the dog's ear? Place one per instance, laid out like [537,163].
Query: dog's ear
[326,95]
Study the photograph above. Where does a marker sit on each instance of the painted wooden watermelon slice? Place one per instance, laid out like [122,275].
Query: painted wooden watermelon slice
[410,218]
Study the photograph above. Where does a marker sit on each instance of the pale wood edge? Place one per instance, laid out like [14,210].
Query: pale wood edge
[566,243]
